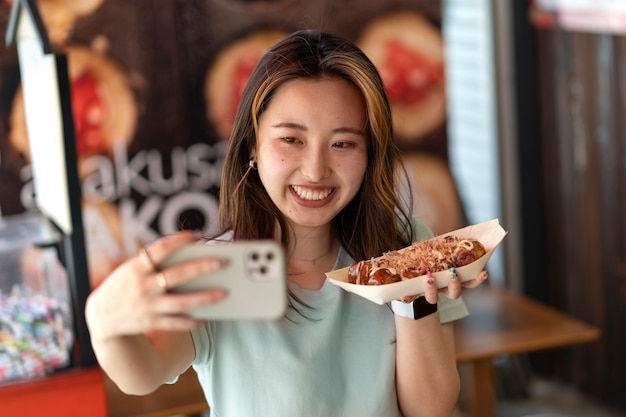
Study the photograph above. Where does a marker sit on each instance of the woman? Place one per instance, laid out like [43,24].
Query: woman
[310,163]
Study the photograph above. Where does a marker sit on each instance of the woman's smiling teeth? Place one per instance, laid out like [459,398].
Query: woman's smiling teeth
[311,195]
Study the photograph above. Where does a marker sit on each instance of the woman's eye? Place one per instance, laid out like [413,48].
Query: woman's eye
[342,144]
[289,139]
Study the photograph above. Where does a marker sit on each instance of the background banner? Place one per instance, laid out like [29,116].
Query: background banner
[155,85]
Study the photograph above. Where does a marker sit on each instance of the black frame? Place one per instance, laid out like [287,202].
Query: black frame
[72,248]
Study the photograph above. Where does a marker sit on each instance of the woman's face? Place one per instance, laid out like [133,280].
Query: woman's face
[312,149]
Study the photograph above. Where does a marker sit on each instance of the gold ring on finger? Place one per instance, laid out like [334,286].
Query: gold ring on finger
[147,260]
[161,280]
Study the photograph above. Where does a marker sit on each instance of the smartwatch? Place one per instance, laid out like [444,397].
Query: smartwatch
[417,309]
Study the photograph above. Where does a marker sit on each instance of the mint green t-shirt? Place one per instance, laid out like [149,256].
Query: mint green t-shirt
[336,359]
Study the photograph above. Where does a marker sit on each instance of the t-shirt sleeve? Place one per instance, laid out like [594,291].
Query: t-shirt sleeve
[197,336]
[451,310]
[202,336]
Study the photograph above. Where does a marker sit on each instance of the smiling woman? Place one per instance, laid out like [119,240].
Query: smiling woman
[310,163]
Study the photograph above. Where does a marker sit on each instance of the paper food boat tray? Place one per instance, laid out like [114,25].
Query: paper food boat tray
[489,233]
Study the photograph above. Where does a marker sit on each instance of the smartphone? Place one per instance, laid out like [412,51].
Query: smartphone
[255,278]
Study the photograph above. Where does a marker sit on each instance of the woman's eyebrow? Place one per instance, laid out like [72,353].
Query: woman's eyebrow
[352,130]
[290,125]
[297,126]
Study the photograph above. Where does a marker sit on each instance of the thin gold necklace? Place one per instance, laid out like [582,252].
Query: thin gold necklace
[313,261]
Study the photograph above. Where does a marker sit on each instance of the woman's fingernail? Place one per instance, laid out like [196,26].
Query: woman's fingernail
[485,275]
[219,293]
[219,263]
[453,274]
[430,280]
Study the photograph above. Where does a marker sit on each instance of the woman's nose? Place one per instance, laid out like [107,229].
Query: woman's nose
[315,166]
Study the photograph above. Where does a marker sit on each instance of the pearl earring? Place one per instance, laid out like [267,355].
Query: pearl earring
[252,164]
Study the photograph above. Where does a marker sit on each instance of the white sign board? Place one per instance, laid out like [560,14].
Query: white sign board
[44,125]
[598,16]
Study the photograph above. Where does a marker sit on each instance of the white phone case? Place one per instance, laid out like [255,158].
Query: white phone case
[255,279]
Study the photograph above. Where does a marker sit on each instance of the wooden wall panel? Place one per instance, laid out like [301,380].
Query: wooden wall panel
[582,83]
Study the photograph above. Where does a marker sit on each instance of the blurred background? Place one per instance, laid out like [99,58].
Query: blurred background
[503,109]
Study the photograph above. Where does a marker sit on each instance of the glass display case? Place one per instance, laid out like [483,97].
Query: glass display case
[36,320]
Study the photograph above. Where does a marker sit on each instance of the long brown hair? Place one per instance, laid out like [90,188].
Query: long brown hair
[375,220]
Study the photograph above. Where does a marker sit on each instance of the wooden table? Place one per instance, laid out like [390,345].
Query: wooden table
[502,322]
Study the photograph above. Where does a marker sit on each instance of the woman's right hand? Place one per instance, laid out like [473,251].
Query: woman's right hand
[133,299]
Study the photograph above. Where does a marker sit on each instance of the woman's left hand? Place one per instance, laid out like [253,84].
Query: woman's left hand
[453,290]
